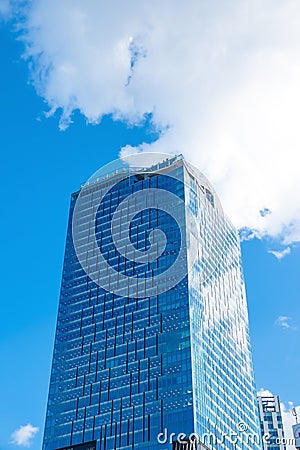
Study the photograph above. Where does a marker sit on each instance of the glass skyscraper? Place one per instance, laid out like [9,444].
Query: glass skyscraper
[152,339]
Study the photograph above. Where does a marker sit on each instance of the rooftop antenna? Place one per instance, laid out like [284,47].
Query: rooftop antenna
[294,412]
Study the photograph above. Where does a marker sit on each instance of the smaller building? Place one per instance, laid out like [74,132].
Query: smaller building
[296,432]
[271,423]
[188,444]
[185,444]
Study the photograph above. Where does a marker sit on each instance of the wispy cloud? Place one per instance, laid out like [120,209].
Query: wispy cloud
[24,435]
[279,254]
[286,322]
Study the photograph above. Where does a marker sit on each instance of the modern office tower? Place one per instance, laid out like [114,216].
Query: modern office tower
[271,422]
[152,339]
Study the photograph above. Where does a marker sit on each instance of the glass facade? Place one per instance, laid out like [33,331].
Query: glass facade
[140,358]
[271,423]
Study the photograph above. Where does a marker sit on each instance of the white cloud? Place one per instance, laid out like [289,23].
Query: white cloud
[24,435]
[220,78]
[286,323]
[264,393]
[280,254]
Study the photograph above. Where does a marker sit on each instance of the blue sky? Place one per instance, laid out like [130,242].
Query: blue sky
[41,166]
